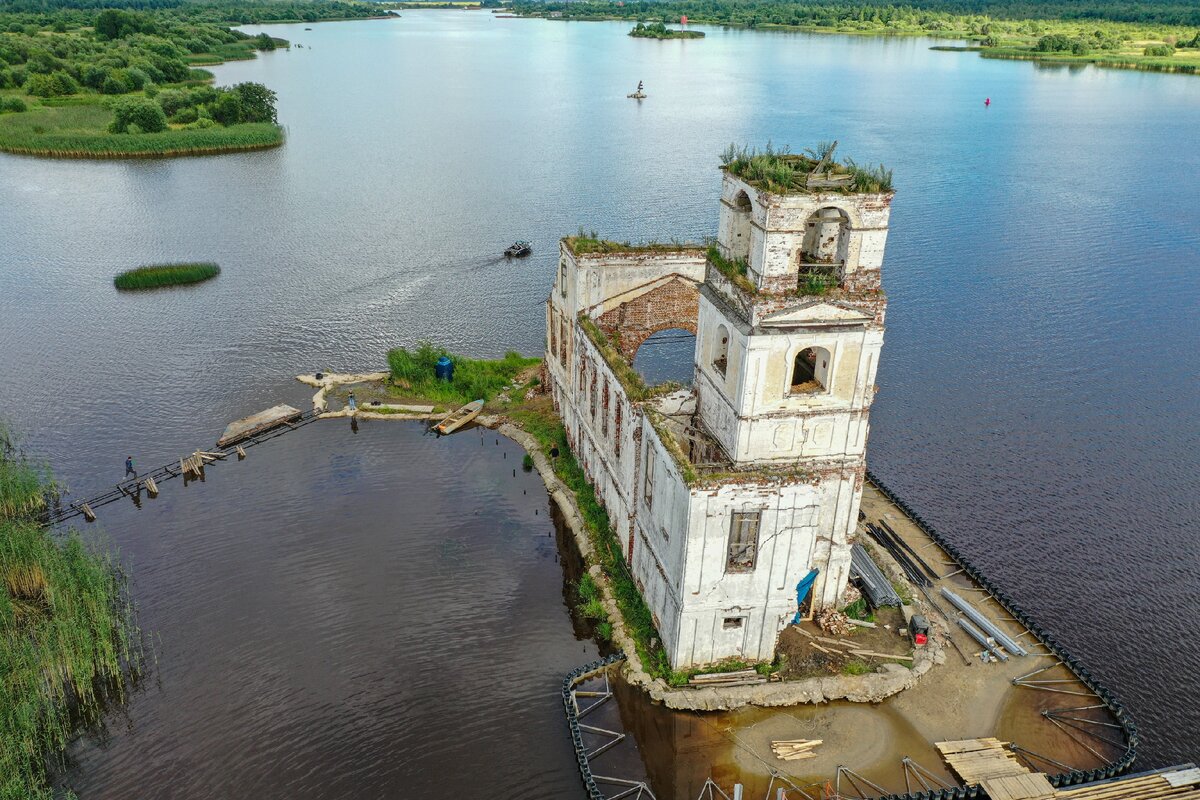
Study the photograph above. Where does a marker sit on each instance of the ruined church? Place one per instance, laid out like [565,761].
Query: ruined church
[735,499]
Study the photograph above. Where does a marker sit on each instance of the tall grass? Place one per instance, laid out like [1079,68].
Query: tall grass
[156,275]
[80,130]
[413,374]
[68,644]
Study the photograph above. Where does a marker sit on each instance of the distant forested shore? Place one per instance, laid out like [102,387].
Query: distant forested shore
[82,79]
[1161,35]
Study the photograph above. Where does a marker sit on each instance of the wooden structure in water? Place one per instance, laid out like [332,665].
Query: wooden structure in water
[238,435]
[456,419]
[255,424]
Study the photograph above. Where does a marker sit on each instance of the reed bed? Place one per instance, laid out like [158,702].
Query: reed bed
[157,275]
[80,131]
[68,643]
[474,379]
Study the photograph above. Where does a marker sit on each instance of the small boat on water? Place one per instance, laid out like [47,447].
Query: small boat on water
[456,419]
[639,94]
[519,249]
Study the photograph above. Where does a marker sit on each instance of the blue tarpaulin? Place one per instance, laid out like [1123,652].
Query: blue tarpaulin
[802,589]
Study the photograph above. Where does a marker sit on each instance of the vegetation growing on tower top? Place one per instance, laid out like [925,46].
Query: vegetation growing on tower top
[784,172]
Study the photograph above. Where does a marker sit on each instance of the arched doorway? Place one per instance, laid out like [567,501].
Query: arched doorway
[810,371]
[667,355]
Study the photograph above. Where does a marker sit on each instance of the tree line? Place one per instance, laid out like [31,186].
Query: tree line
[922,14]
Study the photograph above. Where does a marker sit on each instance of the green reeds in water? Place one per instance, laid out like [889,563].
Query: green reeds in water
[68,643]
[154,276]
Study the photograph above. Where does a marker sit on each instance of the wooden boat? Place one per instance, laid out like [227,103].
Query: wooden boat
[456,419]
[258,423]
[519,249]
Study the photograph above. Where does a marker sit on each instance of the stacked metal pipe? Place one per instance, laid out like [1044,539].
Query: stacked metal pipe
[874,583]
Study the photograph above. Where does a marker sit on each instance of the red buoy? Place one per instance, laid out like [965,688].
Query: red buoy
[987,102]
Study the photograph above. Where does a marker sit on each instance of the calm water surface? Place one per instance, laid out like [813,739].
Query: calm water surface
[1038,393]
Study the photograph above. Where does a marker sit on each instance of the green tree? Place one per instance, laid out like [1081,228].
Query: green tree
[55,84]
[227,108]
[146,114]
[257,102]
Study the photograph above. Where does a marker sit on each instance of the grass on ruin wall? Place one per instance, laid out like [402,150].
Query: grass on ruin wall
[540,421]
[158,275]
[412,374]
[67,638]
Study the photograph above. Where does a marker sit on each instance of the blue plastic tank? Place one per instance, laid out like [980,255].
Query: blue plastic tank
[444,369]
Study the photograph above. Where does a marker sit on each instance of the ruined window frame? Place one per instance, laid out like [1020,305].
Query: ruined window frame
[553,326]
[818,352]
[617,428]
[648,478]
[744,528]
[562,339]
[562,276]
[605,399]
[720,361]
[592,397]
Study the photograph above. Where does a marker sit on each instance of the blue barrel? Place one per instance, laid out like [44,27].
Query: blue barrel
[444,369]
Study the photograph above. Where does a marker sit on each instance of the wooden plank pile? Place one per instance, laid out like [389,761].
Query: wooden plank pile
[742,677]
[1034,786]
[978,760]
[795,749]
[1175,785]
[841,646]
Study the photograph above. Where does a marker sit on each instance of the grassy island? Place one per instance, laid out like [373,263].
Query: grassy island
[80,82]
[157,275]
[67,639]
[657,30]
[1158,35]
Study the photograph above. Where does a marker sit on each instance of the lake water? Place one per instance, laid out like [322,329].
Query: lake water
[1038,394]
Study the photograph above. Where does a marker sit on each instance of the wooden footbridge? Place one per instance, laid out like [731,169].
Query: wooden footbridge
[238,436]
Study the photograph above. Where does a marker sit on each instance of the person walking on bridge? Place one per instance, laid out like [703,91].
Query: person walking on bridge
[129,470]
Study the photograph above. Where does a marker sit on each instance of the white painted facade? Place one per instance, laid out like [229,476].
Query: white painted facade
[775,489]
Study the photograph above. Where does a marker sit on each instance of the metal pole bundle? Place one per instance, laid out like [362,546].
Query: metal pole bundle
[1006,641]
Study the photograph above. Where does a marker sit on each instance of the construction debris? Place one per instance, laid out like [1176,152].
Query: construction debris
[832,621]
[742,677]
[794,749]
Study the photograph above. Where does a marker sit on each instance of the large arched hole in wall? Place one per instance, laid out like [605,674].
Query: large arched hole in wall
[720,350]
[739,241]
[668,355]
[822,257]
[810,371]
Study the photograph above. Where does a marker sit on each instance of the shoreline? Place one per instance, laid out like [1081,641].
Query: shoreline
[1099,60]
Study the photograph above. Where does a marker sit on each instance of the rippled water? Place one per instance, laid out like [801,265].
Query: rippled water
[1038,393]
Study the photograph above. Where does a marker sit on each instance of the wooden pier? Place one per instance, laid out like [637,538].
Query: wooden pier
[238,436]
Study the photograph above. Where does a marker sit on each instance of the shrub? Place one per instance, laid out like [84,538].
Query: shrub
[12,104]
[1161,50]
[185,116]
[117,82]
[1053,43]
[227,109]
[55,84]
[140,111]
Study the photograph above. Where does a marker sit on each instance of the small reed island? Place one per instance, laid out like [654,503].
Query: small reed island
[90,83]
[156,276]
[657,30]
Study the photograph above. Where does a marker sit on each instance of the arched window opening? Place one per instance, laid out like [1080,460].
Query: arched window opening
[721,350]
[822,255]
[667,356]
[739,243]
[810,371]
